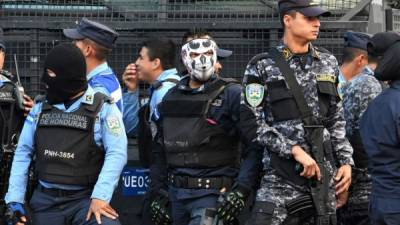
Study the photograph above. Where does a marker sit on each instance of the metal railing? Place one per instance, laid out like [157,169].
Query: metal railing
[150,11]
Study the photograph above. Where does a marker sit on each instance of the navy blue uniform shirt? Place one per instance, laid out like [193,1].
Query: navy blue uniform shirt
[380,132]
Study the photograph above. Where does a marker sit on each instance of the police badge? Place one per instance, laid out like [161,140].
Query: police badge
[254,94]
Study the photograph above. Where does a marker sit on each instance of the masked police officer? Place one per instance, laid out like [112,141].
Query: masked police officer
[358,92]
[79,142]
[290,95]
[379,129]
[198,168]
[96,42]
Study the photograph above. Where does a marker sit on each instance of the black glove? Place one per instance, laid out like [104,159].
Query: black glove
[14,213]
[159,207]
[231,204]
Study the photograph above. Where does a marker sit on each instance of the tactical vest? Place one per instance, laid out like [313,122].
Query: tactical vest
[11,122]
[145,137]
[65,147]
[11,115]
[191,138]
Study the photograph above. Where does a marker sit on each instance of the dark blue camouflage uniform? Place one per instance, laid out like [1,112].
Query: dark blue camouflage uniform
[357,94]
[280,137]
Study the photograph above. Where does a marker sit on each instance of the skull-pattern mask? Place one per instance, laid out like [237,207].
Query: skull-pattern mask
[199,57]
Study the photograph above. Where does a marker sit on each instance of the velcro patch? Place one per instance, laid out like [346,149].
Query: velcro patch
[326,77]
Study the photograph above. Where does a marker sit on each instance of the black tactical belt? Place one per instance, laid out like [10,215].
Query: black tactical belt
[59,192]
[200,183]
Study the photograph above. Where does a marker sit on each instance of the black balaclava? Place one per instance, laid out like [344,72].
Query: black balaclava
[68,64]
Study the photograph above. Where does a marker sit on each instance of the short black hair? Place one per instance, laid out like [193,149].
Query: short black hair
[101,53]
[194,33]
[373,58]
[349,54]
[163,49]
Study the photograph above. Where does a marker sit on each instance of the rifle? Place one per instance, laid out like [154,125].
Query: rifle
[314,136]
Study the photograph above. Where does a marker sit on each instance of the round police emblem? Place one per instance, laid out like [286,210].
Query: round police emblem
[254,94]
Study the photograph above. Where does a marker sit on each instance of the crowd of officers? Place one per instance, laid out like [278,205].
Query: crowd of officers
[303,140]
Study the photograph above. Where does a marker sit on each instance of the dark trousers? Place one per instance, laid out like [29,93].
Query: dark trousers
[384,211]
[354,214]
[189,211]
[70,209]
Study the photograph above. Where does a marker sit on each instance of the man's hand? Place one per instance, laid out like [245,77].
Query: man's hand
[310,167]
[28,104]
[130,77]
[100,208]
[231,205]
[341,199]
[15,214]
[343,177]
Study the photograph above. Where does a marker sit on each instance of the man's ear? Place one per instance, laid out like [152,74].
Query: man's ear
[287,19]
[87,50]
[360,59]
[156,63]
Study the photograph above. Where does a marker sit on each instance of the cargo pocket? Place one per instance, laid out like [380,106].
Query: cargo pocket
[262,213]
[283,104]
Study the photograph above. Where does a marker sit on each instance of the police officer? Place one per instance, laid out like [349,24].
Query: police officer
[198,169]
[291,107]
[155,65]
[355,57]
[79,142]
[11,120]
[27,101]
[379,129]
[96,42]
[358,92]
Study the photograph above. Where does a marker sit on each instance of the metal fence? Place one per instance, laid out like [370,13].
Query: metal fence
[32,28]
[150,11]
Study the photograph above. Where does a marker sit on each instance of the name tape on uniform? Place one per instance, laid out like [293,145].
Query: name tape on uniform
[6,96]
[64,120]
[326,77]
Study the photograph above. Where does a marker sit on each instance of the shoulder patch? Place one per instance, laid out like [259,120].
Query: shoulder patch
[254,94]
[114,126]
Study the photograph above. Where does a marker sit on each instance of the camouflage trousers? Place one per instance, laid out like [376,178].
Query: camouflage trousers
[355,212]
[274,194]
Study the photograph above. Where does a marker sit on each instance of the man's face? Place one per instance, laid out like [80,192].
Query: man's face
[144,66]
[2,56]
[302,27]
